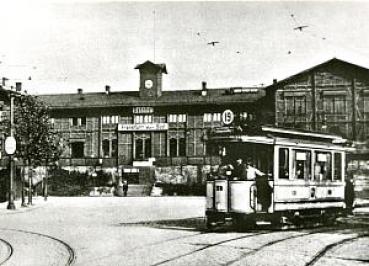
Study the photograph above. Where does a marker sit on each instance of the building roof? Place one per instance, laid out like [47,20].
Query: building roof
[168,98]
[332,62]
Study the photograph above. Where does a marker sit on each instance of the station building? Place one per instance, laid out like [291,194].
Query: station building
[149,133]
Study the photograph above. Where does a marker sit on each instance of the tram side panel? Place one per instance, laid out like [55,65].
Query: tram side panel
[305,197]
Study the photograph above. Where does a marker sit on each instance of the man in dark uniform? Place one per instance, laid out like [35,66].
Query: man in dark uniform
[349,195]
[239,169]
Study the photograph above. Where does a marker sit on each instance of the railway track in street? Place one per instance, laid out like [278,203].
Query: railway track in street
[69,257]
[296,234]
[330,247]
[6,254]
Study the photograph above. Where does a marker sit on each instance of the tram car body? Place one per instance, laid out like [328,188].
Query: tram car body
[304,177]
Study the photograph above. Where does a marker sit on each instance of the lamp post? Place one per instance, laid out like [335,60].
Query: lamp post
[10,147]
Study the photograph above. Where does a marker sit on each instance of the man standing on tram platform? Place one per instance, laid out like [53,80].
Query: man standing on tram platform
[252,172]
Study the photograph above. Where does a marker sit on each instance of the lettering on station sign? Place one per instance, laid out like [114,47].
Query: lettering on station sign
[143,127]
[143,110]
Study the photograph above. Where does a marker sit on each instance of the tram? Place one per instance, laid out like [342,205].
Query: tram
[303,177]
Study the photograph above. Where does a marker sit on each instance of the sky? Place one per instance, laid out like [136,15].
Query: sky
[59,46]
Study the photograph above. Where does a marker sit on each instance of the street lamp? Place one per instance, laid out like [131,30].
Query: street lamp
[10,146]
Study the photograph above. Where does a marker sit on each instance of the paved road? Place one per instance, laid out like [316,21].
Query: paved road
[163,231]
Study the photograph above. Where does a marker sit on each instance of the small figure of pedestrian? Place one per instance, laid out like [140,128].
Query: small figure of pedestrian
[125,187]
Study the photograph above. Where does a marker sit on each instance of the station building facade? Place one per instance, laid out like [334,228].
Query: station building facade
[150,133]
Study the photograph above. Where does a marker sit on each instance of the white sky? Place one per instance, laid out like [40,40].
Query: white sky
[65,45]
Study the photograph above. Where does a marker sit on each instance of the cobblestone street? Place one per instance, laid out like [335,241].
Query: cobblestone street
[163,231]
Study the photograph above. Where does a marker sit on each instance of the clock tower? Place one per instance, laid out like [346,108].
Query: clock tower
[151,78]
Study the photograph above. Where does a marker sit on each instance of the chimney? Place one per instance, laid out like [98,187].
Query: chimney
[274,81]
[3,81]
[107,89]
[79,91]
[204,90]
[18,86]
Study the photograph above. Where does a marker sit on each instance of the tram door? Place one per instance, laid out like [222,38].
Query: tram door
[221,195]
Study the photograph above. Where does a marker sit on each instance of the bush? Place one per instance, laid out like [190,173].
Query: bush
[74,183]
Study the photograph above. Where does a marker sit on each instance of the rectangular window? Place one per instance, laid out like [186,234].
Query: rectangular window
[173,147]
[114,119]
[212,117]
[323,166]
[284,163]
[335,104]
[217,117]
[302,164]
[78,121]
[106,148]
[75,121]
[182,147]
[337,167]
[140,119]
[295,105]
[180,118]
[77,149]
[207,117]
[114,148]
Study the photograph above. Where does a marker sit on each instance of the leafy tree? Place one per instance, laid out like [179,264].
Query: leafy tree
[37,143]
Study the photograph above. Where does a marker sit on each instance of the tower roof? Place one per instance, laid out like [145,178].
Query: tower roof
[148,64]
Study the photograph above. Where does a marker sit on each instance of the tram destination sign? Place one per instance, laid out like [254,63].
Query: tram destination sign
[143,127]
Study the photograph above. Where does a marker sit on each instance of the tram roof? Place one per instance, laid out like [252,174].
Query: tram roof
[283,136]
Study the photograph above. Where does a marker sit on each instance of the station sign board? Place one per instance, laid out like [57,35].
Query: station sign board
[143,127]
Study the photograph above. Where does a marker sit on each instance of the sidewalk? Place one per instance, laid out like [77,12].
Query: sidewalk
[37,202]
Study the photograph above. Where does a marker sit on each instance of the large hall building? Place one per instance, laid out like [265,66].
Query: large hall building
[149,132]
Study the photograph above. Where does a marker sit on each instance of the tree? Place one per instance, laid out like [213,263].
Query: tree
[37,143]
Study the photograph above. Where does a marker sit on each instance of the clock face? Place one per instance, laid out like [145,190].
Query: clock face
[148,84]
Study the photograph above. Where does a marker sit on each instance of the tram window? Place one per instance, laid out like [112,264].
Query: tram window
[337,167]
[323,166]
[302,164]
[283,163]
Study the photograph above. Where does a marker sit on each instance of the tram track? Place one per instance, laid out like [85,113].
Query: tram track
[329,247]
[207,247]
[72,254]
[9,251]
[219,243]
[254,251]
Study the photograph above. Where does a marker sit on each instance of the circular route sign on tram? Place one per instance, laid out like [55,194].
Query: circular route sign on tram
[227,117]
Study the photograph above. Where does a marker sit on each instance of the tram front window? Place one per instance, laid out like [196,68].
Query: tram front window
[322,167]
[302,164]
